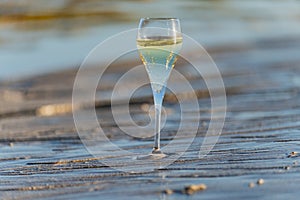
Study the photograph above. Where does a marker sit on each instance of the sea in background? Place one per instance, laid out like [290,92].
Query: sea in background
[38,37]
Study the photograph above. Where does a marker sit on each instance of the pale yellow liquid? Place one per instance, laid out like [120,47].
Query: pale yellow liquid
[159,55]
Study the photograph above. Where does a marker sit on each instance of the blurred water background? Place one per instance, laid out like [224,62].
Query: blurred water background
[41,36]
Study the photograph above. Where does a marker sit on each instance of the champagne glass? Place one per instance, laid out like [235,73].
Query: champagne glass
[159,40]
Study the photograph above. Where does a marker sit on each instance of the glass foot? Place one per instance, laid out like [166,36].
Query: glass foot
[156,151]
[156,154]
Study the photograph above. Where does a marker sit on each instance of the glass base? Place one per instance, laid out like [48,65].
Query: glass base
[156,151]
[156,154]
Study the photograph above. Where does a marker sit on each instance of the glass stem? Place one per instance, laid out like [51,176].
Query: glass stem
[157,127]
[158,99]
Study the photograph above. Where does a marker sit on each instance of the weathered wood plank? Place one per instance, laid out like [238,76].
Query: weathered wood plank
[42,156]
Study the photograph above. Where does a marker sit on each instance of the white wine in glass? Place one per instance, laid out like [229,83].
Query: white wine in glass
[159,40]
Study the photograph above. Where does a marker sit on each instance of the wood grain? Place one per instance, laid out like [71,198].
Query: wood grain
[43,157]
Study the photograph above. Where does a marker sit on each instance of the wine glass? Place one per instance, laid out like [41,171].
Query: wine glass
[159,40]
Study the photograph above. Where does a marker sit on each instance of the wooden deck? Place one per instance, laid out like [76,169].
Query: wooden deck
[42,157]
